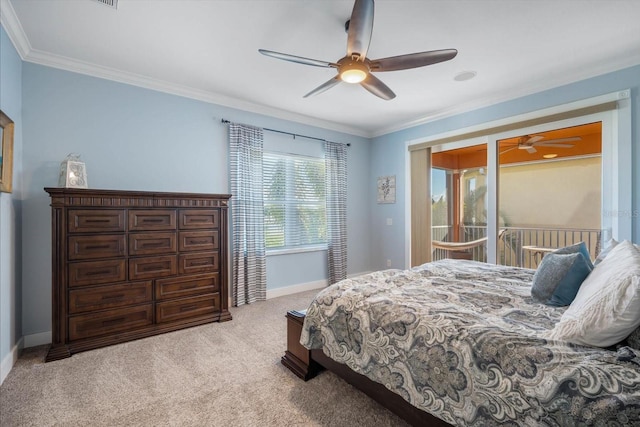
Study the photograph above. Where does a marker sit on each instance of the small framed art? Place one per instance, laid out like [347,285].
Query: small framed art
[387,189]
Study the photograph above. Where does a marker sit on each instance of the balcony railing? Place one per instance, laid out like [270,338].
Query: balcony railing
[520,246]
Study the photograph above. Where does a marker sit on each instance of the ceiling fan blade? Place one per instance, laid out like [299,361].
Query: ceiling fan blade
[546,144]
[508,149]
[534,138]
[376,87]
[360,28]
[413,60]
[298,59]
[324,86]
[570,139]
[531,150]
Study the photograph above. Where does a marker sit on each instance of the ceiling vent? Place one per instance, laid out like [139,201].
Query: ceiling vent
[111,3]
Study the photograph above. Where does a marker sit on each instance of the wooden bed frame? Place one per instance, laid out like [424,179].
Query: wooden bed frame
[306,364]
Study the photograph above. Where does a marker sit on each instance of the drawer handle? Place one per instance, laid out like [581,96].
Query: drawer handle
[200,242]
[189,286]
[112,297]
[97,273]
[98,247]
[98,220]
[152,220]
[188,308]
[203,262]
[113,321]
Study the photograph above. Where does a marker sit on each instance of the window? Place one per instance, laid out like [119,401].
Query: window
[294,201]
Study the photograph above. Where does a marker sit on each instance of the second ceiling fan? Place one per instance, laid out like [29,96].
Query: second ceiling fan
[355,67]
[530,143]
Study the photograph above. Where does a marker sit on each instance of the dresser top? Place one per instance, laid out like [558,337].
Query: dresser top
[131,199]
[129,193]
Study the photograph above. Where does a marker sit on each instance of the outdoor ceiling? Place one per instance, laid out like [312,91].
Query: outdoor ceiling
[475,156]
[208,50]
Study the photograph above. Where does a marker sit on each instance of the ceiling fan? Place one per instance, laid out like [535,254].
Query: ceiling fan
[355,67]
[529,143]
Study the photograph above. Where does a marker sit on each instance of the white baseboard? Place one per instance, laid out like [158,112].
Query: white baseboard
[34,340]
[294,289]
[9,360]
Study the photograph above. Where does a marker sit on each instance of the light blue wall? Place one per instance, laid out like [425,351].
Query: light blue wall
[10,210]
[388,153]
[137,139]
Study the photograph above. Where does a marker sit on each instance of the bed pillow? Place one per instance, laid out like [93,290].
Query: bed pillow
[606,309]
[580,247]
[558,278]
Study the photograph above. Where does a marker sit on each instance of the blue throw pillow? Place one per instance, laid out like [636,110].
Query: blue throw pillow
[578,247]
[559,276]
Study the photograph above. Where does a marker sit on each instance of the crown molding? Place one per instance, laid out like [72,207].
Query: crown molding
[68,64]
[535,87]
[13,27]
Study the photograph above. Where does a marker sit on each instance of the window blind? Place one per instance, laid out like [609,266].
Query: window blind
[294,201]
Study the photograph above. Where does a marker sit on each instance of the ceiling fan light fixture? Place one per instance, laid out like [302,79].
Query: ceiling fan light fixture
[353,71]
[353,76]
[550,156]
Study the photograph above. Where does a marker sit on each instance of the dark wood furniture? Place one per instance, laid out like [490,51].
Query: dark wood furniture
[131,264]
[306,364]
[297,358]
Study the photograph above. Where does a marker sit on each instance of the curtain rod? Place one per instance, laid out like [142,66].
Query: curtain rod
[292,134]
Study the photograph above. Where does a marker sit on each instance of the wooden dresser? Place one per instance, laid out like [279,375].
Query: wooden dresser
[131,264]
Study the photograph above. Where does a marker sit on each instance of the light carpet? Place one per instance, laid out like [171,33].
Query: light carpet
[220,374]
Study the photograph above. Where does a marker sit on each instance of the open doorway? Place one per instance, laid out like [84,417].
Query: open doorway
[549,190]
[459,202]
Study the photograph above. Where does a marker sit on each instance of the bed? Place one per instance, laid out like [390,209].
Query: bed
[465,342]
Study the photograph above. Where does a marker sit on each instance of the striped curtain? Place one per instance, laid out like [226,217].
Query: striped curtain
[249,260]
[336,188]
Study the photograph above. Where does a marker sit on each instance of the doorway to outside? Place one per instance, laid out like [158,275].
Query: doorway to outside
[549,195]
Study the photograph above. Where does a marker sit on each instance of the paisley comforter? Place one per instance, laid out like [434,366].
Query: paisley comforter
[464,341]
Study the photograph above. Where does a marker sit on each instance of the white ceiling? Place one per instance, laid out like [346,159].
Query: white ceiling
[208,50]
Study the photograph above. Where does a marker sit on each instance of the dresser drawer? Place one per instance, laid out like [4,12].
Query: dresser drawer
[199,218]
[110,296]
[198,240]
[152,267]
[201,262]
[169,311]
[152,220]
[95,221]
[151,243]
[97,246]
[110,322]
[97,272]
[186,286]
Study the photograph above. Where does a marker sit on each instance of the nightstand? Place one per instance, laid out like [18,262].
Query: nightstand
[297,358]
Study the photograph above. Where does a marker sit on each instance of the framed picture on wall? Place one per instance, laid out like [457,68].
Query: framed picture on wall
[387,189]
[6,153]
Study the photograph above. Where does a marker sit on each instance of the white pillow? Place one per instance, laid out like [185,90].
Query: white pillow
[607,307]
